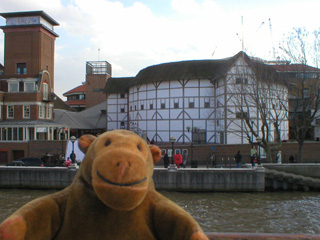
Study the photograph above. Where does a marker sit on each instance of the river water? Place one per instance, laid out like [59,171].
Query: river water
[265,212]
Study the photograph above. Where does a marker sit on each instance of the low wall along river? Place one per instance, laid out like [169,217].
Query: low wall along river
[200,179]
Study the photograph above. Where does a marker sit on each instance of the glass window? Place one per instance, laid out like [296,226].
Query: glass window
[163,105]
[4,133]
[20,134]
[41,111]
[45,91]
[151,106]
[13,87]
[48,112]
[10,112]
[29,87]
[9,134]
[26,111]
[21,68]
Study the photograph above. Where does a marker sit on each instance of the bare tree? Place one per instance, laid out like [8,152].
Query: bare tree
[259,100]
[302,48]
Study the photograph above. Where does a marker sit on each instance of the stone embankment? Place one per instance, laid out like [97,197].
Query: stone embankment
[279,180]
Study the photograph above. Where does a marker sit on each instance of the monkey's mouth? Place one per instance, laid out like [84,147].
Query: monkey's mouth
[120,184]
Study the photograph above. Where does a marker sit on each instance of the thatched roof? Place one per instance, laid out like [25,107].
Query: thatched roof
[183,70]
[118,85]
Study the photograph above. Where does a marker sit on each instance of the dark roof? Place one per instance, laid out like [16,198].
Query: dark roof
[185,70]
[118,85]
[193,69]
[30,13]
[295,68]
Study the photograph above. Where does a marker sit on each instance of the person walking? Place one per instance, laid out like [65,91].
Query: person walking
[238,158]
[253,153]
[184,158]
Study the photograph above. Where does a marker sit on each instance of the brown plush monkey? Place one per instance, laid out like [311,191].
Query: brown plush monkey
[111,197]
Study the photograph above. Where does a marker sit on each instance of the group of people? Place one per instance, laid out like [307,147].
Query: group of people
[179,160]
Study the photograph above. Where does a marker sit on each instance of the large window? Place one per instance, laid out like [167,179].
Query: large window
[48,112]
[26,111]
[21,68]
[41,111]
[10,111]
[29,87]
[13,87]
[45,91]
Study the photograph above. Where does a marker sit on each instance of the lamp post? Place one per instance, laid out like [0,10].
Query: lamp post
[259,140]
[73,156]
[172,166]
[193,130]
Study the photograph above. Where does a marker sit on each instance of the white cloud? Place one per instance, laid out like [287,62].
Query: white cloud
[132,38]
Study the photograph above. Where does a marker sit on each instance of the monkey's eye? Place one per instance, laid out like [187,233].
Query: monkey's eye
[107,143]
[138,146]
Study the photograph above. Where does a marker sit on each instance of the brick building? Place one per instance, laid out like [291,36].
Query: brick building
[90,93]
[27,86]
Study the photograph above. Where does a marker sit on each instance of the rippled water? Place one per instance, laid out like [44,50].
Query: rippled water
[267,212]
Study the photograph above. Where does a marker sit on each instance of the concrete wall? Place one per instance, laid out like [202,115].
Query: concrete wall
[181,180]
[36,177]
[229,180]
[307,170]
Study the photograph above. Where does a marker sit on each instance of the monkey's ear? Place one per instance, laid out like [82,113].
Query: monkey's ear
[85,141]
[156,153]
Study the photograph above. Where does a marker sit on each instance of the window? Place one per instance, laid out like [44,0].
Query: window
[21,68]
[48,112]
[241,115]
[13,87]
[163,104]
[26,111]
[10,111]
[176,103]
[122,109]
[45,91]
[241,80]
[151,106]
[122,125]
[207,103]
[191,103]
[122,95]
[41,111]
[131,108]
[29,87]
[142,107]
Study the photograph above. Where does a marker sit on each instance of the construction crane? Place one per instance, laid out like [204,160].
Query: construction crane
[271,36]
